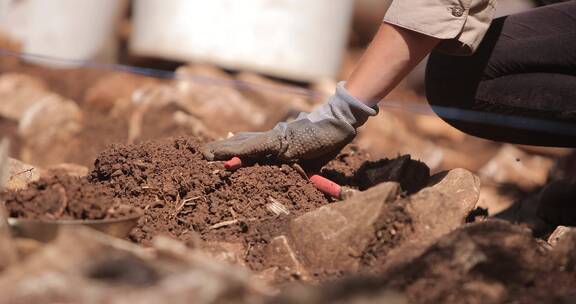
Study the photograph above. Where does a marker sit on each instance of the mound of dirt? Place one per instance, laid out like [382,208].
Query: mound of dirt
[182,194]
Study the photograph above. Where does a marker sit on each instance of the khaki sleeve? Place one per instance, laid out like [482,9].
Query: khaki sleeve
[461,23]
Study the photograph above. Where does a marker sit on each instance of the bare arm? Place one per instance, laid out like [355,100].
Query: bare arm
[392,54]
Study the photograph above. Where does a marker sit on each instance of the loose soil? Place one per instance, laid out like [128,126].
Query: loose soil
[65,197]
[391,228]
[182,194]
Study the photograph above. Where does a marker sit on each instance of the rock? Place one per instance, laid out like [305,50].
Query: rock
[332,238]
[48,130]
[437,210]
[513,166]
[281,253]
[563,242]
[146,99]
[374,228]
[560,233]
[20,174]
[19,92]
[444,205]
[231,253]
[206,93]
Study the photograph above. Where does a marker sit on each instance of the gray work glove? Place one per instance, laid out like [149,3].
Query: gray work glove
[317,135]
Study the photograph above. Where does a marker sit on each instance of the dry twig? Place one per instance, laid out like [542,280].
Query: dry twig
[223,224]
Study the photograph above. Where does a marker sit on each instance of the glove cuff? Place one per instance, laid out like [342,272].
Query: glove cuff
[343,107]
[348,108]
[342,93]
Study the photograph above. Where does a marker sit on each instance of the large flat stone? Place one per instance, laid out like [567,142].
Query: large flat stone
[376,228]
[332,238]
[444,205]
[436,211]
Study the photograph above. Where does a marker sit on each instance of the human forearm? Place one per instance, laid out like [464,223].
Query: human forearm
[393,53]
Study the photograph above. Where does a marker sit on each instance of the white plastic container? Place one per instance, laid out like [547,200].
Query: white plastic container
[295,39]
[72,29]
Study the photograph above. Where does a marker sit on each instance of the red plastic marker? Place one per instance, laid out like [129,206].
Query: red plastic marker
[326,186]
[233,164]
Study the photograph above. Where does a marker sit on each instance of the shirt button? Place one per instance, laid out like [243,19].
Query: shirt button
[457,11]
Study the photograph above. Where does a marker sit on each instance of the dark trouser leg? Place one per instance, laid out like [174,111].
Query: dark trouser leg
[520,86]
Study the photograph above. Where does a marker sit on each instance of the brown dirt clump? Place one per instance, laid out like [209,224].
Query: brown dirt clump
[343,167]
[64,197]
[184,194]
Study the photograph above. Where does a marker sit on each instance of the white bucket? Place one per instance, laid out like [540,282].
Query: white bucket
[295,39]
[71,29]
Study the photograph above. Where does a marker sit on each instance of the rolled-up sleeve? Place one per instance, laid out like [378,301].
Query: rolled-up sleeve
[460,23]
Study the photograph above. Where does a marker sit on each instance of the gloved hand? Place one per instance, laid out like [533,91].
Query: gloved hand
[317,135]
